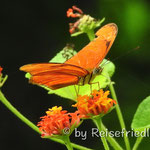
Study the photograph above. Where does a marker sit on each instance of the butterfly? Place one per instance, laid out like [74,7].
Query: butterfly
[79,69]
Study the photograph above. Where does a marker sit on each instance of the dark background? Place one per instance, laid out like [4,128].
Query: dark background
[34,31]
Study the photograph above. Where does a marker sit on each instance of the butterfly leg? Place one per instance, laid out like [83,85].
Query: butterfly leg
[77,90]
[90,83]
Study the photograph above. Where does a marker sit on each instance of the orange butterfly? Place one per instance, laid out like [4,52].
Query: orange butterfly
[78,70]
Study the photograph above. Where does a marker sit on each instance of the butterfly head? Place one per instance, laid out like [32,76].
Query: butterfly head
[97,70]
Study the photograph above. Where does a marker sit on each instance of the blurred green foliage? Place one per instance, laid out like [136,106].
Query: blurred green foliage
[132,63]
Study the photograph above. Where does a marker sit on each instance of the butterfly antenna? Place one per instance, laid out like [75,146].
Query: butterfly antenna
[127,53]
[105,63]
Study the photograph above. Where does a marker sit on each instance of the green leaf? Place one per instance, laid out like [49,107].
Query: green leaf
[141,119]
[76,33]
[28,75]
[66,92]
[108,67]
[60,57]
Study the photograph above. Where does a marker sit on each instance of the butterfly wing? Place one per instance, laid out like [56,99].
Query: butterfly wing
[54,75]
[92,55]
[57,75]
[54,80]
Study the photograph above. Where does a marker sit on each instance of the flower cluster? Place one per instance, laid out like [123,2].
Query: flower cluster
[84,24]
[95,104]
[56,121]
[70,12]
[1,70]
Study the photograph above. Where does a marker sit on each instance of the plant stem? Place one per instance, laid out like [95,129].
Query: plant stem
[120,117]
[91,35]
[17,113]
[67,142]
[3,80]
[111,140]
[98,123]
[30,124]
[138,141]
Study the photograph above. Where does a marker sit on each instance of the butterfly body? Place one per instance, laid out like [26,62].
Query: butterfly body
[78,70]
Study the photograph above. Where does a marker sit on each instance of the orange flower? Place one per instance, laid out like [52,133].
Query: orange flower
[97,103]
[83,24]
[57,120]
[70,12]
[1,70]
